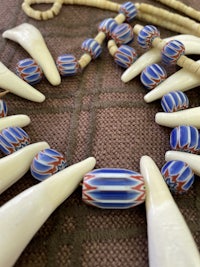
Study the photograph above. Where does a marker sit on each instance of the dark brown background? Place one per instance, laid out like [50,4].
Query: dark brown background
[93,114]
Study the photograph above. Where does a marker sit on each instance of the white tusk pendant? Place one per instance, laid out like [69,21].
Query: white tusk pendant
[170,241]
[22,216]
[30,38]
[192,46]
[192,160]
[183,117]
[14,121]
[11,82]
[15,165]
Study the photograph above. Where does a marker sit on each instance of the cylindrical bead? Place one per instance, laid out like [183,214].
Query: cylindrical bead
[107,26]
[174,101]
[3,108]
[122,34]
[146,36]
[125,56]
[67,65]
[129,10]
[172,51]
[92,47]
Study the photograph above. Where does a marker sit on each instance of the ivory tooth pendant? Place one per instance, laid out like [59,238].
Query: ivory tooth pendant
[11,82]
[169,239]
[192,46]
[22,216]
[182,117]
[30,38]
[14,121]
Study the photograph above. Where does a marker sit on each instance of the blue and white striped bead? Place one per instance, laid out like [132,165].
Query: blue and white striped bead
[3,108]
[29,71]
[174,101]
[125,56]
[107,26]
[147,35]
[113,188]
[178,176]
[185,138]
[13,139]
[129,10]
[172,51]
[152,76]
[67,65]
[92,47]
[123,34]
[46,163]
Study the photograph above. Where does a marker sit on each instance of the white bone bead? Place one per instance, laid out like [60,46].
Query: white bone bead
[14,121]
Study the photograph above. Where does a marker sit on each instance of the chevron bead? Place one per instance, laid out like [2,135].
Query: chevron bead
[113,188]
[3,108]
[125,56]
[147,35]
[122,34]
[152,76]
[67,65]
[13,139]
[178,176]
[185,138]
[29,71]
[91,47]
[172,51]
[107,26]
[174,101]
[46,163]
[129,10]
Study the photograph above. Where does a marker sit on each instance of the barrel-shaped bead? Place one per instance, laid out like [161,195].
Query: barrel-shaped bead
[67,65]
[174,101]
[125,56]
[129,10]
[122,34]
[172,51]
[29,71]
[178,176]
[13,139]
[91,47]
[113,188]
[152,76]
[46,163]
[185,138]
[3,108]
[147,35]
[107,26]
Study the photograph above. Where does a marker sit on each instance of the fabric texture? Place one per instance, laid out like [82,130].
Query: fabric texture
[91,114]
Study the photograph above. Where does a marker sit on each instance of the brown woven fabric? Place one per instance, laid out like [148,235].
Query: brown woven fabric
[93,114]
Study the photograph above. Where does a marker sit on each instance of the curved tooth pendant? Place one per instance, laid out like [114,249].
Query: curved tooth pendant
[30,209]
[15,165]
[11,82]
[14,121]
[170,241]
[188,116]
[192,46]
[30,38]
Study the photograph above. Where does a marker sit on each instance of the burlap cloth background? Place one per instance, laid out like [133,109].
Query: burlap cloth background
[91,114]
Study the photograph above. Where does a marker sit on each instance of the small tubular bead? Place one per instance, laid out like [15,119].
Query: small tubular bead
[172,51]
[92,47]
[13,139]
[125,56]
[122,34]
[112,47]
[29,71]
[185,138]
[3,108]
[67,65]
[147,35]
[174,101]
[120,18]
[84,60]
[107,26]
[100,37]
[129,10]
[178,176]
[152,76]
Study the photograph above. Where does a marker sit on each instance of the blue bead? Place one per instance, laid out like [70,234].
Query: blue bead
[174,101]
[67,65]
[13,139]
[107,26]
[113,188]
[172,51]
[3,108]
[92,47]
[125,56]
[152,76]
[178,176]
[123,34]
[29,71]
[46,163]
[147,35]
[129,10]
[185,138]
